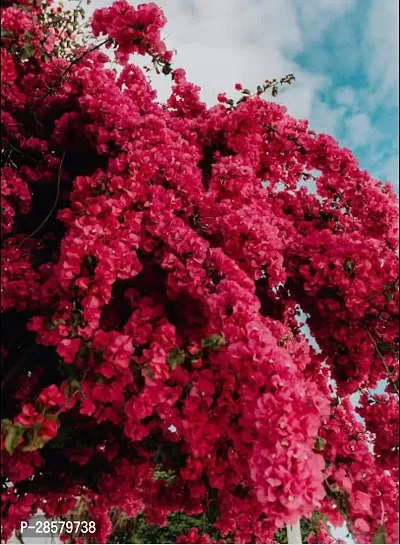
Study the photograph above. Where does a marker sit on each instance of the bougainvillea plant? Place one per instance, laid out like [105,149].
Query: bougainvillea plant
[158,260]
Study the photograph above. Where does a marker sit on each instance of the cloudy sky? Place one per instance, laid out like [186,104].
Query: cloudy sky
[344,54]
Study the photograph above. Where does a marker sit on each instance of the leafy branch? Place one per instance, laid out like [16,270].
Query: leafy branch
[392,381]
[272,85]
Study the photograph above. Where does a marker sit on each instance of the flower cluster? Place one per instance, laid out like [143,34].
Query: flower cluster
[380,414]
[156,260]
[134,30]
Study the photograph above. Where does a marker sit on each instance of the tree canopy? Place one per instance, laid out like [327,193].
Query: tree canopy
[159,264]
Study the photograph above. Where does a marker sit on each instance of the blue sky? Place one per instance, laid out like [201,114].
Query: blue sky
[358,52]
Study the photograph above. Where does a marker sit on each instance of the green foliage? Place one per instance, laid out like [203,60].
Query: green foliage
[269,85]
[341,498]
[138,531]
[281,536]
[175,358]
[13,434]
[162,474]
[28,51]
[308,527]
[71,24]
[73,27]
[215,342]
[319,443]
[34,441]
[384,347]
[348,268]
[379,535]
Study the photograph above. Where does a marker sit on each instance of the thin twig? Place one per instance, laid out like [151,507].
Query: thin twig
[388,373]
[65,23]
[344,515]
[18,535]
[24,154]
[61,77]
[54,204]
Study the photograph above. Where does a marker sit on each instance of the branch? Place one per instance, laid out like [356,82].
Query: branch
[52,208]
[388,373]
[333,495]
[18,535]
[61,77]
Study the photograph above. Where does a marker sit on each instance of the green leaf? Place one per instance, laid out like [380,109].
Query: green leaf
[147,372]
[215,342]
[90,262]
[319,443]
[13,436]
[176,357]
[379,535]
[246,92]
[27,52]
[137,530]
[6,424]
[72,386]
[213,512]
[166,69]
[6,33]
[384,347]
[35,443]
[388,296]
[348,267]
[341,498]
[162,474]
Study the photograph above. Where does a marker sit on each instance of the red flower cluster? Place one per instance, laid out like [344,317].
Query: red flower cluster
[380,414]
[355,479]
[134,30]
[156,260]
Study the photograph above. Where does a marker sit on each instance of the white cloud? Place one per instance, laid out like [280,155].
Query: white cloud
[390,172]
[345,96]
[326,119]
[223,42]
[359,130]
[381,49]
[316,15]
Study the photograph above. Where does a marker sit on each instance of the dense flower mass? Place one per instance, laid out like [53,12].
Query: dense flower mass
[157,263]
